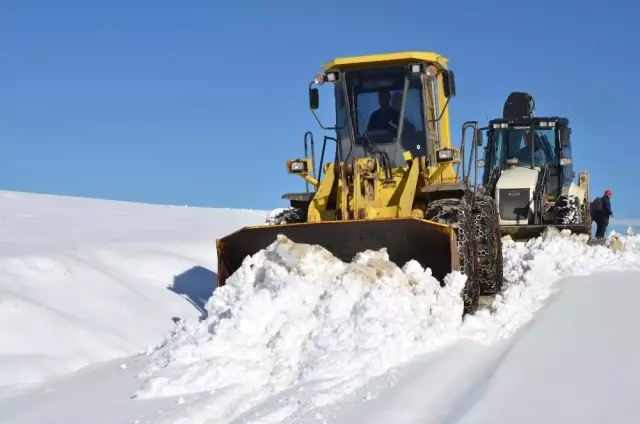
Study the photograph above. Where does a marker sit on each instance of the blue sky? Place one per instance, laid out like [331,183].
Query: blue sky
[201,102]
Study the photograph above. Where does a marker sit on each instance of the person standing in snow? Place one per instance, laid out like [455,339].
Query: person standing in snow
[601,212]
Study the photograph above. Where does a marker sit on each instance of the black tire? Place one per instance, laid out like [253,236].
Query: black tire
[288,216]
[457,213]
[489,239]
[569,210]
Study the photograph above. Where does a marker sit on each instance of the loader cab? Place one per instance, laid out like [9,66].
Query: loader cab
[386,105]
[538,143]
[370,102]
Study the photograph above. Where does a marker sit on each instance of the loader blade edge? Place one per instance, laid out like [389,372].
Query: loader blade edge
[431,244]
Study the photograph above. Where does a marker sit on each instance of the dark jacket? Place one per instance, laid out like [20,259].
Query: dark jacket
[606,205]
[380,119]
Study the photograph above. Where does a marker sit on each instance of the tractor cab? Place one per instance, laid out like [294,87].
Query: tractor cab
[521,140]
[536,143]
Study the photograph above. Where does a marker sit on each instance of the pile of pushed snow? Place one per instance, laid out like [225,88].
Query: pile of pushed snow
[294,316]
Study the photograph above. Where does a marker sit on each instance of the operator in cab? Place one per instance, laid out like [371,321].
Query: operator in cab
[524,154]
[386,117]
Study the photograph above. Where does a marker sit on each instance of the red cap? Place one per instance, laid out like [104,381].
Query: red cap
[608,192]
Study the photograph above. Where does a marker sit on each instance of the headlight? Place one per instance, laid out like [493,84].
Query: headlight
[296,166]
[444,155]
[299,166]
[431,71]
[416,68]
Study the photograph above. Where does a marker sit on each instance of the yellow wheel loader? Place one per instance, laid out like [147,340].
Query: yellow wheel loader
[395,182]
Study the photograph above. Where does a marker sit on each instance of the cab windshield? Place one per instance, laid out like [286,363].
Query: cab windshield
[376,99]
[510,143]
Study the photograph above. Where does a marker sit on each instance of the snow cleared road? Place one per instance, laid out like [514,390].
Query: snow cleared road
[297,335]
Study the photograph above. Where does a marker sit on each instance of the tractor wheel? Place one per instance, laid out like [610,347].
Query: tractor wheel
[569,210]
[457,213]
[489,239]
[288,216]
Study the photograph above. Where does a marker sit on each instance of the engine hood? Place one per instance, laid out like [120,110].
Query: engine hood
[518,178]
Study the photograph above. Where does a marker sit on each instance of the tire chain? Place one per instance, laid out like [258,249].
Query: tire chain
[457,213]
[569,210]
[288,216]
[487,231]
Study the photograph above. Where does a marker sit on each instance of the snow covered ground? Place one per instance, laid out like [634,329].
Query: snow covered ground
[85,280]
[297,335]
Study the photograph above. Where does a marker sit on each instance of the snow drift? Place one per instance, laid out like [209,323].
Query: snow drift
[87,280]
[296,324]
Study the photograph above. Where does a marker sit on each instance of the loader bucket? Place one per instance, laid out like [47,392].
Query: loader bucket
[432,244]
[527,232]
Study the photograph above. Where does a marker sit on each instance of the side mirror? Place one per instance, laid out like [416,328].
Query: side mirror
[565,137]
[314,98]
[478,134]
[565,161]
[449,83]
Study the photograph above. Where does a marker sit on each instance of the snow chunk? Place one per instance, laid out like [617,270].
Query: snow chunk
[270,217]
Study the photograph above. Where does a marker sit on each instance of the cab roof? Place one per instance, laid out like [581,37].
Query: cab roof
[346,63]
[534,119]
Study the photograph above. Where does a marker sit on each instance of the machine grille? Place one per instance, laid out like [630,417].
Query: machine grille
[514,204]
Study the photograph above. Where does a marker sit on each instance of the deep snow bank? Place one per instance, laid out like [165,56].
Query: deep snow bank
[86,280]
[295,320]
